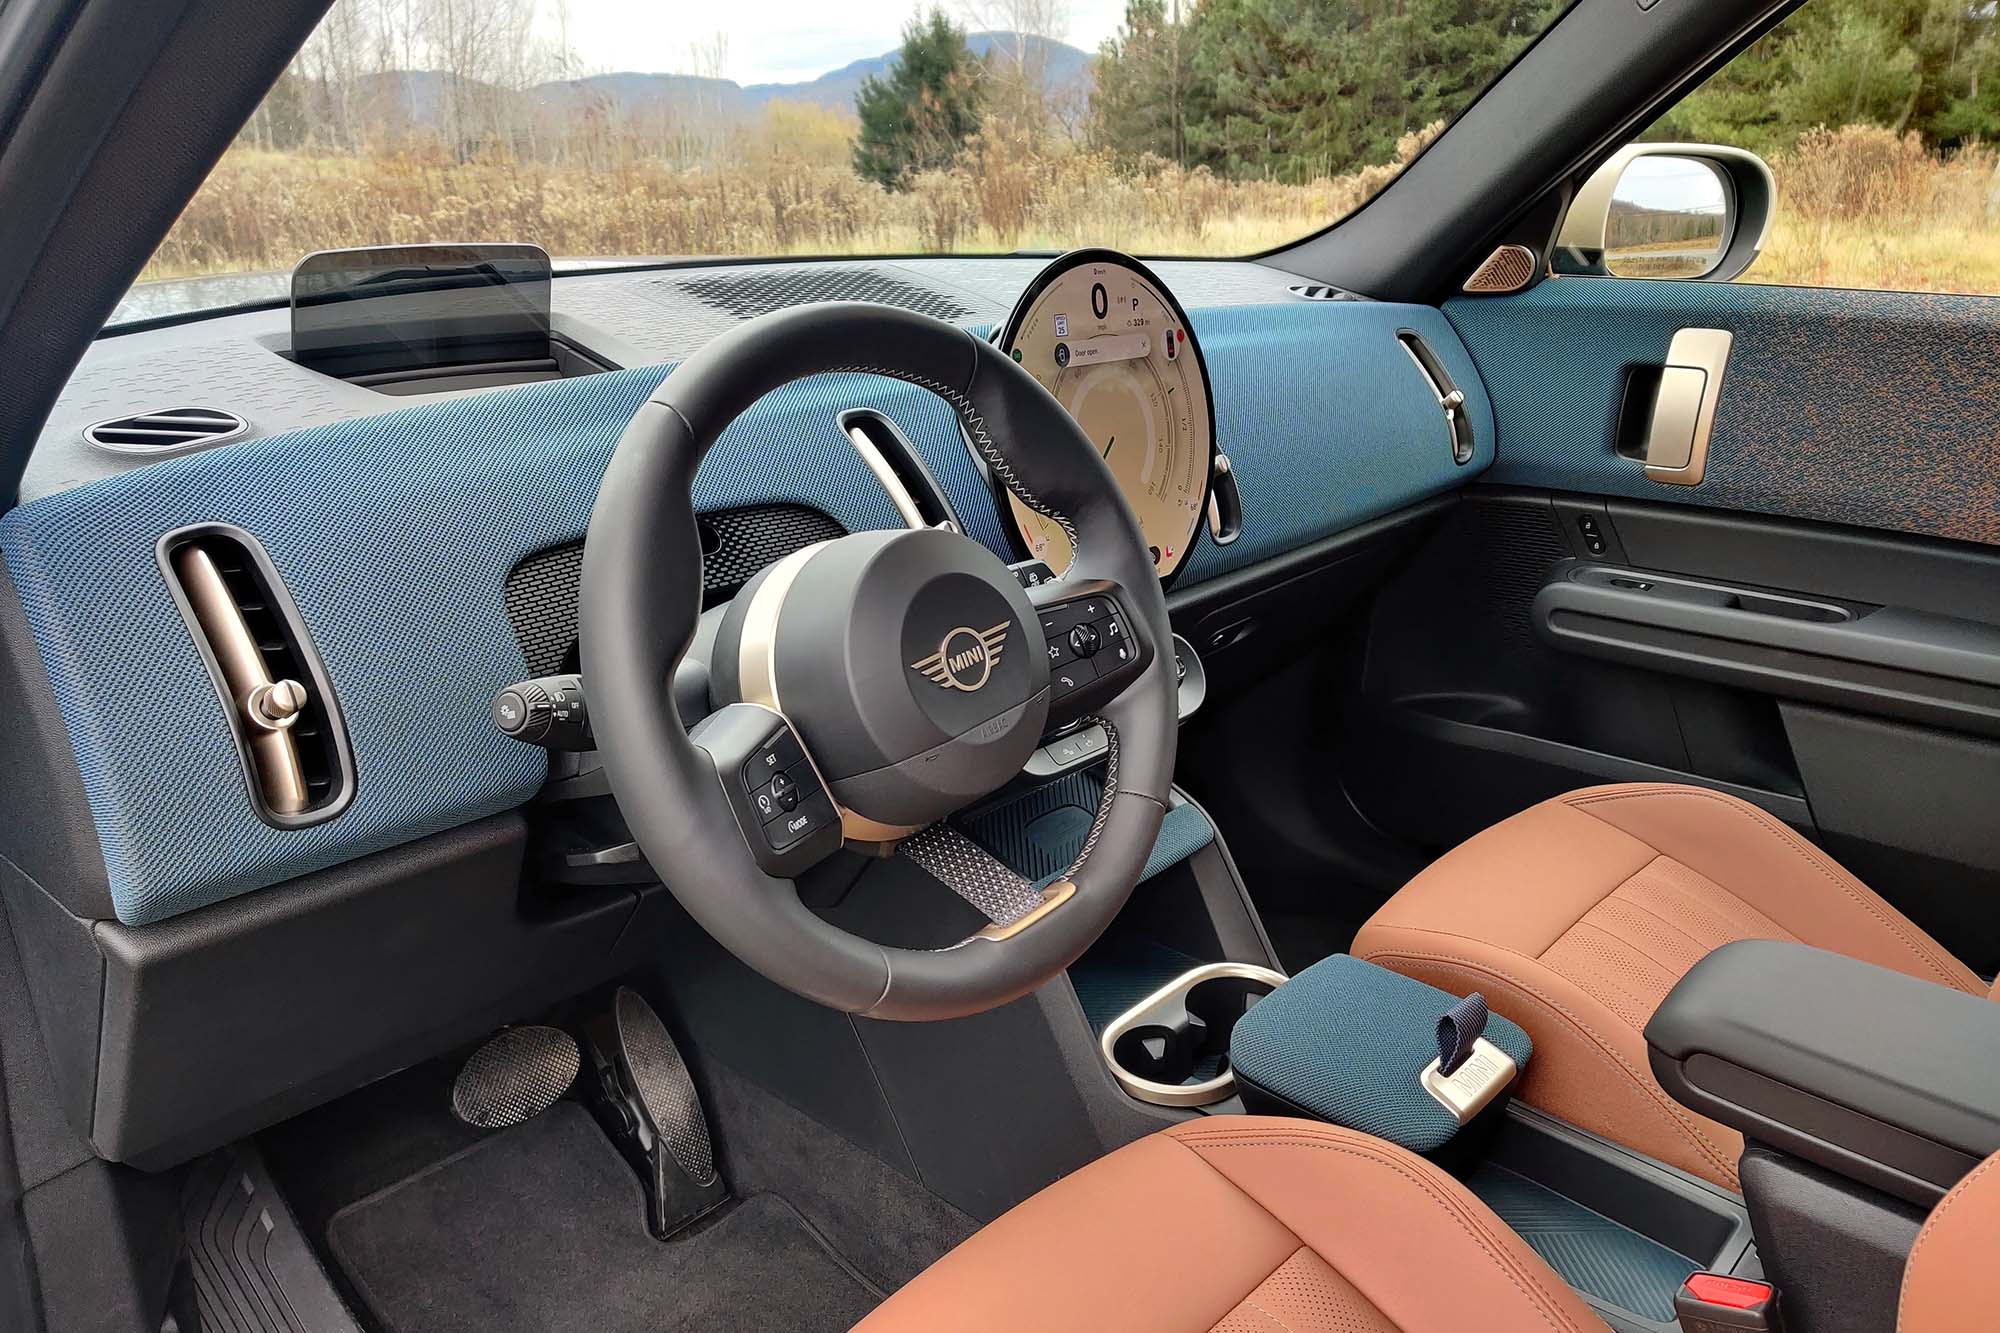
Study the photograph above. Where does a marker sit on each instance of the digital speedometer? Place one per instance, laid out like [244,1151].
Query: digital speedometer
[1110,342]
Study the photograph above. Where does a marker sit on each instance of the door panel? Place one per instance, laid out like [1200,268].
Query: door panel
[1877,409]
[1815,627]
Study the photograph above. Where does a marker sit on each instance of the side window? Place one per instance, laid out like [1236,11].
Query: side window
[1875,125]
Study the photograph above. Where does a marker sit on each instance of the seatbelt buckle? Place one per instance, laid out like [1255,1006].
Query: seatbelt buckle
[1718,1303]
[1470,1071]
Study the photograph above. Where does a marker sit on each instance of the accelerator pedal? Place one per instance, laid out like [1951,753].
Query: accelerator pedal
[656,1114]
[518,1074]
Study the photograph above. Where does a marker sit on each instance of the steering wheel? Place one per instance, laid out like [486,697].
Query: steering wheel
[865,688]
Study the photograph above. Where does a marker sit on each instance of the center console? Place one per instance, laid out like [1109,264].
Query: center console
[1360,1046]
[1863,1095]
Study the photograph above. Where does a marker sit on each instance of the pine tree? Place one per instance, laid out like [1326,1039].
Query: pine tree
[1298,89]
[1139,102]
[1928,66]
[919,115]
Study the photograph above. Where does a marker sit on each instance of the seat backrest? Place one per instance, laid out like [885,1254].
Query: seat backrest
[1952,1282]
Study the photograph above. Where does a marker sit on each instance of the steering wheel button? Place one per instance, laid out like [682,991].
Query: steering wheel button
[814,813]
[1083,640]
[1073,676]
[766,804]
[777,754]
[1066,751]
[1112,626]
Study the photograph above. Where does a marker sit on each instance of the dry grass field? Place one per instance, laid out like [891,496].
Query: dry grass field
[1858,207]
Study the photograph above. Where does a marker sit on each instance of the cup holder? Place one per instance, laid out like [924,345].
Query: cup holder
[1172,1048]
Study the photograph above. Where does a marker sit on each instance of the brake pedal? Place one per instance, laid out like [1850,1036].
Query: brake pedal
[518,1074]
[652,1098]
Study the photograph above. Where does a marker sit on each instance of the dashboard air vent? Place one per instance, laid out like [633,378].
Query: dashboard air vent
[166,432]
[911,488]
[1450,398]
[275,693]
[1319,291]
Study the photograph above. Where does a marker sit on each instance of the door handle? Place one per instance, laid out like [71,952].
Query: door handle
[1683,414]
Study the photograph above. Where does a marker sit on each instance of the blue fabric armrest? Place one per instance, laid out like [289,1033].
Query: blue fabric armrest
[1346,1041]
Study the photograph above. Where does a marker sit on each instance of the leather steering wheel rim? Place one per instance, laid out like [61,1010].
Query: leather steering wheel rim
[635,626]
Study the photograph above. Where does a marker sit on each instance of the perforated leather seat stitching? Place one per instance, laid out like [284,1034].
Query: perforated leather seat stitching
[1831,873]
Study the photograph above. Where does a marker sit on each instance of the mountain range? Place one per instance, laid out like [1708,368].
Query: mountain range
[420,95]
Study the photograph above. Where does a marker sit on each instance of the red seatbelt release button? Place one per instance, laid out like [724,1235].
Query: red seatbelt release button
[1718,1303]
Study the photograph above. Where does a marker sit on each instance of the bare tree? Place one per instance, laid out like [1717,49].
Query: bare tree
[1023,32]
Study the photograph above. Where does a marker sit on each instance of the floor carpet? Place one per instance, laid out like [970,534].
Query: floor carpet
[541,1227]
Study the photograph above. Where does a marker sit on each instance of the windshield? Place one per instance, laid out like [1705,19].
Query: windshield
[607,130]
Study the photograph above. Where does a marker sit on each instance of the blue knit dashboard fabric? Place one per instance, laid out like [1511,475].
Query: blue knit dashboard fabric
[1347,1040]
[396,533]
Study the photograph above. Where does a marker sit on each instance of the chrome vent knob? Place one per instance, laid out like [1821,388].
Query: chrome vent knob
[277,705]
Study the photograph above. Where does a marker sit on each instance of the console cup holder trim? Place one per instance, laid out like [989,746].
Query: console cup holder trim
[1167,1010]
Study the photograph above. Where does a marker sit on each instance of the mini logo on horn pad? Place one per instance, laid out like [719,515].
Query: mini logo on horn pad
[966,658]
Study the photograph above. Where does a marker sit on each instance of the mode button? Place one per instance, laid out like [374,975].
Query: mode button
[815,812]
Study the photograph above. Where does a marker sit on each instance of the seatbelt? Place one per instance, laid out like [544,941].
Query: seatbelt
[1460,1026]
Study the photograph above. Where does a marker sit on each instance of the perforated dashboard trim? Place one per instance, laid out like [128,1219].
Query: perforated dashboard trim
[542,589]
[746,295]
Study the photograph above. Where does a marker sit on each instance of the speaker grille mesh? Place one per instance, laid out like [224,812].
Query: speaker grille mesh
[736,543]
[1507,269]
[748,295]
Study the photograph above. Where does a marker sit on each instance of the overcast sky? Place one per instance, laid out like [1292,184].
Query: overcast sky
[772,41]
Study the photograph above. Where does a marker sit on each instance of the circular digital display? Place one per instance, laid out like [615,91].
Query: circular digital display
[1114,347]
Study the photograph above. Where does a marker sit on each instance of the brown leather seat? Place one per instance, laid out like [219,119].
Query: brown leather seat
[1243,1224]
[1247,1224]
[1578,915]
[1951,1284]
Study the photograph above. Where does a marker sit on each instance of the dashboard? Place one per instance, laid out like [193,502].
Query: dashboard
[429,544]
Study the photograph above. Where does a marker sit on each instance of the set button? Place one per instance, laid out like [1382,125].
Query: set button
[778,754]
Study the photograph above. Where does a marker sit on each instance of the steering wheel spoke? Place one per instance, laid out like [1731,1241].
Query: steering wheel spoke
[782,806]
[1097,648]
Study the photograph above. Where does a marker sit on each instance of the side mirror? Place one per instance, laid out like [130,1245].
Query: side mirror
[1669,210]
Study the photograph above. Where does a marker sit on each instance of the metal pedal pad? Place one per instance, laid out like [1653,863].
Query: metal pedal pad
[518,1074]
[653,1098]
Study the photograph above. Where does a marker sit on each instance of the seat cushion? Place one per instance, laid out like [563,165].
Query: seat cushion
[1243,1224]
[1578,915]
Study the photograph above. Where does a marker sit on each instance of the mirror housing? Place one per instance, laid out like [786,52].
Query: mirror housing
[1600,217]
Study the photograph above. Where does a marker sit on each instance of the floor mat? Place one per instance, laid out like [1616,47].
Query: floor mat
[541,1227]
[1589,1251]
